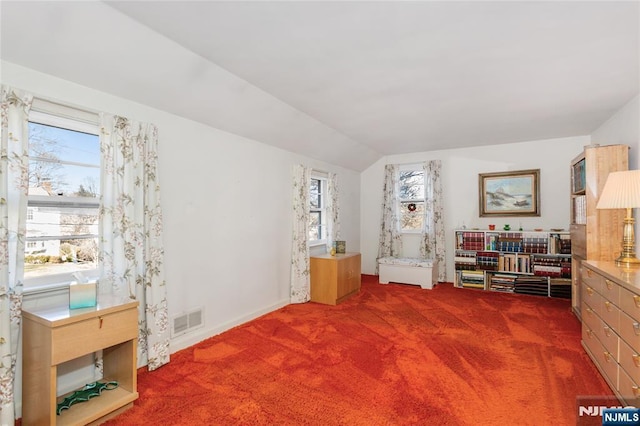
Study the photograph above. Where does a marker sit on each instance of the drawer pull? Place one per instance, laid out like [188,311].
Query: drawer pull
[100,322]
[589,291]
[636,359]
[589,273]
[636,300]
[589,311]
[636,329]
[636,391]
[590,334]
[607,356]
[609,284]
[608,306]
[607,331]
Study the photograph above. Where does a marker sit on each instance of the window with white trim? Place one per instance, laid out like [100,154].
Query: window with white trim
[411,198]
[63,198]
[317,209]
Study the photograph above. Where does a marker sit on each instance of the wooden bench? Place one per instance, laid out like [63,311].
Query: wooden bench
[422,272]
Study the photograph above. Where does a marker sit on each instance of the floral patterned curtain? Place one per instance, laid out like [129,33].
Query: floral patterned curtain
[300,285]
[333,210]
[14,184]
[131,253]
[433,234]
[390,237]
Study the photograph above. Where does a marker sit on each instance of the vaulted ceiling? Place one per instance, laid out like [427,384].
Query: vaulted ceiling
[347,82]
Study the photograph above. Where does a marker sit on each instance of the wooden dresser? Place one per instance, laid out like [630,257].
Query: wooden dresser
[54,336]
[611,325]
[334,278]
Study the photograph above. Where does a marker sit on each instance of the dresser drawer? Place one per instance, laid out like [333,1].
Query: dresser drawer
[610,291]
[610,314]
[609,339]
[589,316]
[630,361]
[628,389]
[630,331]
[591,297]
[592,279]
[630,303]
[602,357]
[70,341]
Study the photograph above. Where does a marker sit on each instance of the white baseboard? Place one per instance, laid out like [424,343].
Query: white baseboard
[190,339]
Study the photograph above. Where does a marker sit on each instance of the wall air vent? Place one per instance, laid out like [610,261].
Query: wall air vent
[186,322]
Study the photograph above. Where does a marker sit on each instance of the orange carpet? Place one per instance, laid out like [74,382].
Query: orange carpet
[392,355]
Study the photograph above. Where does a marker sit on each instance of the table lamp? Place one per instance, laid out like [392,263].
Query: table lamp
[622,191]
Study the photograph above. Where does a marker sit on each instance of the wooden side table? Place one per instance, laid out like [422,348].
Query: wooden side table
[334,278]
[54,336]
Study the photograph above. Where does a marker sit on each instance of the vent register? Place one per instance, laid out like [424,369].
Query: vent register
[184,323]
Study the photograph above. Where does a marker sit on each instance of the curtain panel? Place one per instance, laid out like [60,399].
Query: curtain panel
[433,234]
[14,186]
[333,210]
[390,244]
[131,252]
[300,283]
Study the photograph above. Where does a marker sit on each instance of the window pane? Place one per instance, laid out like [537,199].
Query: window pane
[63,161]
[315,186]
[46,178]
[411,216]
[315,201]
[411,184]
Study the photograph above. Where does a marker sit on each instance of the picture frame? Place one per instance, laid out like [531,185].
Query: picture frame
[515,193]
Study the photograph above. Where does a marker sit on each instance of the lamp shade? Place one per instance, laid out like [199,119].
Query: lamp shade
[621,191]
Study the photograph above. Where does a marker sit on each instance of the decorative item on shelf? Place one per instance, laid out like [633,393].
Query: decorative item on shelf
[341,247]
[492,227]
[507,227]
[412,207]
[622,191]
[83,395]
[332,252]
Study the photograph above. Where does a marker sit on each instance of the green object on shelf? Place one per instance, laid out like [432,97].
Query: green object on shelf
[87,392]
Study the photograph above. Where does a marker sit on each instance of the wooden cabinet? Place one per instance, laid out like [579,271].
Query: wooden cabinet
[335,278]
[611,325]
[595,234]
[54,336]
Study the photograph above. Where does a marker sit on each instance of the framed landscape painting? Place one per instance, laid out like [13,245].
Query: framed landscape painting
[514,193]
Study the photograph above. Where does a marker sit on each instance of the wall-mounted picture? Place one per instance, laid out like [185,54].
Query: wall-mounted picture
[514,193]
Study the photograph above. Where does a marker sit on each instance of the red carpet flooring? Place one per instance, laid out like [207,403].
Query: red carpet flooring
[392,355]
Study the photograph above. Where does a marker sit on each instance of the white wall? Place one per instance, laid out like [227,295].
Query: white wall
[227,209]
[623,128]
[460,169]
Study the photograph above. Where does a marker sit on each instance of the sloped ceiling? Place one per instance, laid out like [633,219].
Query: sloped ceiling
[347,82]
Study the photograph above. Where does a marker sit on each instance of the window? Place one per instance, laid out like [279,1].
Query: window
[63,199]
[318,216]
[411,198]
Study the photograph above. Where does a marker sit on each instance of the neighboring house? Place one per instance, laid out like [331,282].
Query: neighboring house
[42,221]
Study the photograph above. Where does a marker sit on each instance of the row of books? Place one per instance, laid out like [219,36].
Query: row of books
[472,279]
[560,288]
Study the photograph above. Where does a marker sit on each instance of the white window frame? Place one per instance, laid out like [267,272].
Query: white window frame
[322,209]
[65,117]
[409,168]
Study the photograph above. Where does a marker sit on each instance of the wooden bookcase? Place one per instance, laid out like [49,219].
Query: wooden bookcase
[54,336]
[595,234]
[524,262]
